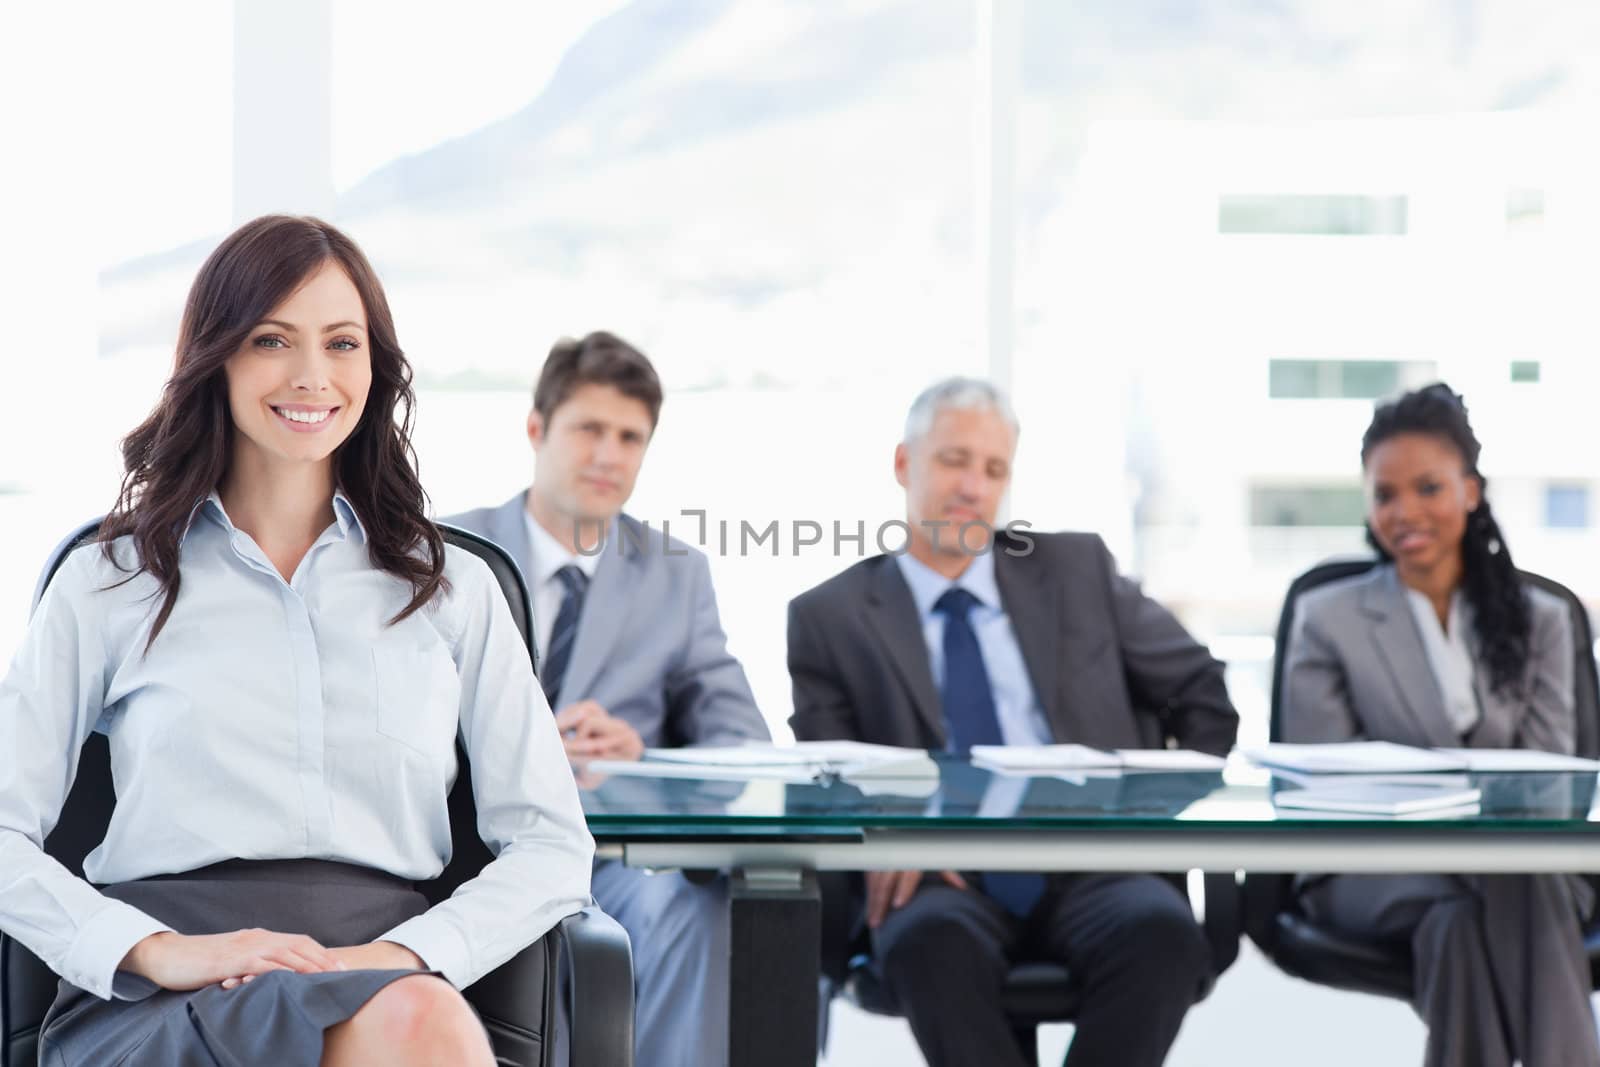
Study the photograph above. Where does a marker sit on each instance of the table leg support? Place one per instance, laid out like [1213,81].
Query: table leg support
[776,928]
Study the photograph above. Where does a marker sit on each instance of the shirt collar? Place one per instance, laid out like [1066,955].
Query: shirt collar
[344,515]
[1460,615]
[550,555]
[928,585]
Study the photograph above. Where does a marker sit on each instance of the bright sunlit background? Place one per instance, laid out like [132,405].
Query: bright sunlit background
[1216,233]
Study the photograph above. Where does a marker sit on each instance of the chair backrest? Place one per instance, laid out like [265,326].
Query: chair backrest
[1586,678]
[468,853]
[507,573]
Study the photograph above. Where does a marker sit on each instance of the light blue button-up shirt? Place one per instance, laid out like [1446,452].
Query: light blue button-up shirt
[282,720]
[1022,719]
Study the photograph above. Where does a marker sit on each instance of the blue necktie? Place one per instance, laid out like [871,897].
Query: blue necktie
[971,719]
[564,630]
[969,713]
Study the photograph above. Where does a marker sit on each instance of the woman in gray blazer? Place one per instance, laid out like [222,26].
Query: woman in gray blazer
[1444,645]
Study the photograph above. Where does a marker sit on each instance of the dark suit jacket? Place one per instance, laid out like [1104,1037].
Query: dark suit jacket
[1111,667]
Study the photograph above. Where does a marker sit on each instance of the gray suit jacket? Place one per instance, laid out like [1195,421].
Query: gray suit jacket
[650,647]
[1110,667]
[1356,668]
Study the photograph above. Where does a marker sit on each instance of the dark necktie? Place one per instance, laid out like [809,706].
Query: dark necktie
[969,713]
[970,719]
[559,651]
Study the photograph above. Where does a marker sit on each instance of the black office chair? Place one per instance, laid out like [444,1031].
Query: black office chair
[589,951]
[1273,918]
[1035,991]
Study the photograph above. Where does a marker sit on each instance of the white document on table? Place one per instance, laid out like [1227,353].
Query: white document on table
[1043,759]
[1489,760]
[647,768]
[1353,757]
[1169,759]
[1054,759]
[764,754]
[1432,779]
[1411,799]
[853,761]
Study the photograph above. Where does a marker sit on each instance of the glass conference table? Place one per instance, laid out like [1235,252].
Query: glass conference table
[773,836]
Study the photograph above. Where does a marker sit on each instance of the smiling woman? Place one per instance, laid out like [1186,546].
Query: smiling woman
[1441,645]
[291,313]
[281,713]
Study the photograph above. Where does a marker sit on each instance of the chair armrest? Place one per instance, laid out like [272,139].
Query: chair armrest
[597,962]
[1224,922]
[27,989]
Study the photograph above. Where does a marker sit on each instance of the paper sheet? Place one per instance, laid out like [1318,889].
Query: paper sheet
[1353,757]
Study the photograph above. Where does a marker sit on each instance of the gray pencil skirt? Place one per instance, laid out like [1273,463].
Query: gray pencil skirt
[277,1019]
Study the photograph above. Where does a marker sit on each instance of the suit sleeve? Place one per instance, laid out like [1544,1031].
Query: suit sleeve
[1168,670]
[1316,703]
[1550,721]
[822,708]
[708,696]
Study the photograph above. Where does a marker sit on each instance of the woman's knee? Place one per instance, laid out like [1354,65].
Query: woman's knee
[422,1011]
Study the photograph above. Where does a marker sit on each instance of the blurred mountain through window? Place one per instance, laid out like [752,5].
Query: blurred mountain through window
[1236,225]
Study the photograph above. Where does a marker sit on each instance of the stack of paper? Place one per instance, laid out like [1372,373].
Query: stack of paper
[856,758]
[1393,799]
[1383,757]
[1352,757]
[1053,759]
[873,768]
[1503,760]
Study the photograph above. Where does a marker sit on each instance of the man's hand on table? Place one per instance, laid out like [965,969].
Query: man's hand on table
[588,732]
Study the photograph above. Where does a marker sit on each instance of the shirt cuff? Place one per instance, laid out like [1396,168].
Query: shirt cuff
[99,947]
[441,948]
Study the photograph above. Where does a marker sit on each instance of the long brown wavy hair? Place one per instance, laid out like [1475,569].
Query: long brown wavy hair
[179,454]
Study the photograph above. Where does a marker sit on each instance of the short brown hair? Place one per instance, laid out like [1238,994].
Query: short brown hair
[601,358]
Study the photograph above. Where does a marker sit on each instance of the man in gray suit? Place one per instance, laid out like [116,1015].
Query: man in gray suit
[632,655]
[968,639]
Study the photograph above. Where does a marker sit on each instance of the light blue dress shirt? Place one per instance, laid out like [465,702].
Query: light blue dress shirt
[282,720]
[1022,719]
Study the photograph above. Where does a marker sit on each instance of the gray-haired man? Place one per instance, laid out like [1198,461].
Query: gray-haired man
[972,638]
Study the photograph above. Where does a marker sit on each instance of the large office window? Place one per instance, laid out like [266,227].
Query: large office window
[1190,256]
[774,202]
[1566,507]
[1329,215]
[1364,379]
[1525,371]
[1525,209]
[126,131]
[1306,505]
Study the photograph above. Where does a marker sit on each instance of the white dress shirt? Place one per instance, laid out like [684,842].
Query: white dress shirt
[282,720]
[1449,656]
[549,556]
[1022,718]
